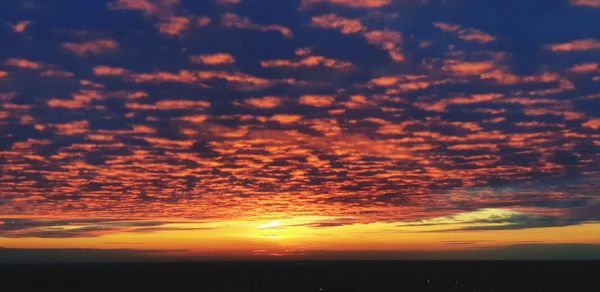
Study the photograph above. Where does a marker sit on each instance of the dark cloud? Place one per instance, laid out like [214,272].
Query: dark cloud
[376,109]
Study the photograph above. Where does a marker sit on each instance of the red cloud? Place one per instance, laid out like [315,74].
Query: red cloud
[387,40]
[349,3]
[3,74]
[592,124]
[173,25]
[308,62]
[95,47]
[266,102]
[228,2]
[332,21]
[317,100]
[72,128]
[232,20]
[588,3]
[213,59]
[110,71]
[585,68]
[286,119]
[169,21]
[467,34]
[57,74]
[21,26]
[169,105]
[575,46]
[23,64]
[148,7]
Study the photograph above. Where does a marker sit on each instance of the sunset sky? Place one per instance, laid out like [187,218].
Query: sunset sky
[240,129]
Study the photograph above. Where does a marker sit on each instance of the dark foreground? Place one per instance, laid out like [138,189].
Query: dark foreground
[305,276]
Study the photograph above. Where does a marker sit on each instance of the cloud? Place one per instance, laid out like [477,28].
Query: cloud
[169,20]
[169,105]
[23,64]
[237,80]
[228,2]
[213,59]
[581,45]
[110,71]
[77,228]
[3,74]
[491,219]
[232,20]
[267,102]
[308,62]
[317,100]
[286,119]
[593,124]
[463,68]
[588,3]
[348,3]
[442,105]
[21,26]
[332,21]
[72,128]
[467,34]
[148,7]
[57,74]
[387,40]
[195,119]
[174,25]
[95,47]
[585,68]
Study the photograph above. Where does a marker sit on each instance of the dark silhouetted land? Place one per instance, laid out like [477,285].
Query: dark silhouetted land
[307,276]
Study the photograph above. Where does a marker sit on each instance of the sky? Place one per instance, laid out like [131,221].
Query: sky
[310,129]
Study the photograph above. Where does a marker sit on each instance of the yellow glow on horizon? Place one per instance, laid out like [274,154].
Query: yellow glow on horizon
[281,236]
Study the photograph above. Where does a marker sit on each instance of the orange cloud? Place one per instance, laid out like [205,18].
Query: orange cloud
[148,7]
[184,76]
[195,119]
[467,34]
[213,59]
[385,81]
[57,74]
[228,2]
[66,103]
[21,26]
[332,21]
[585,68]
[72,128]
[239,80]
[169,22]
[348,3]
[3,74]
[575,46]
[266,102]
[109,71]
[467,68]
[308,62]
[23,64]
[317,100]
[173,25]
[202,21]
[95,47]
[592,124]
[441,106]
[387,40]
[588,3]
[358,101]
[168,105]
[286,119]
[232,20]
